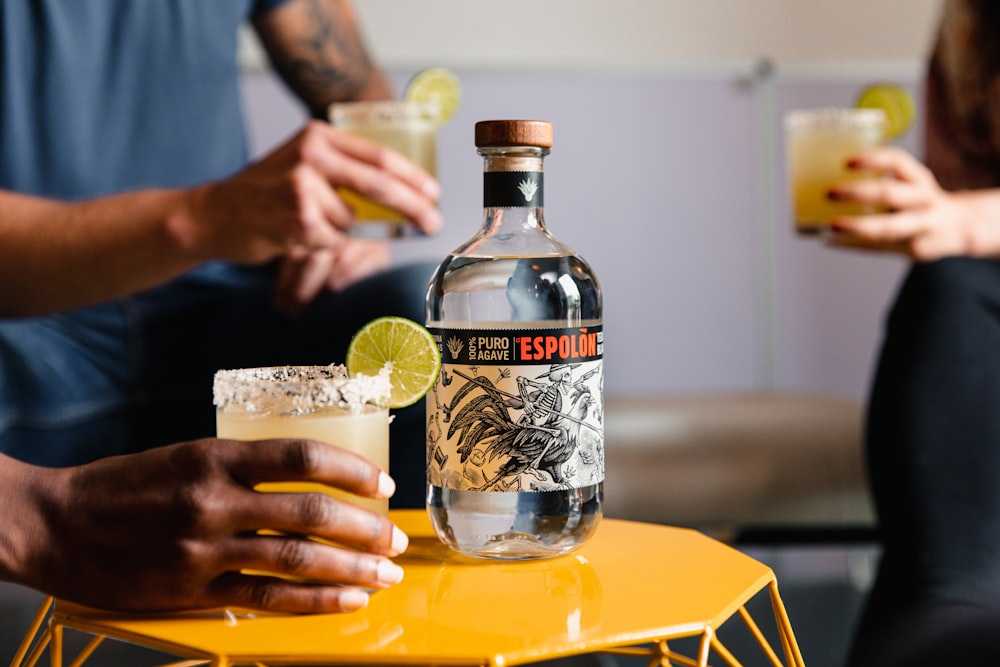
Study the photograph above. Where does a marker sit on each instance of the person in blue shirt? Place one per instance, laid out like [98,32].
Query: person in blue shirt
[140,251]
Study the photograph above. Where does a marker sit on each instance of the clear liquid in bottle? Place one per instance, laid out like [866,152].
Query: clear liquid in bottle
[515,435]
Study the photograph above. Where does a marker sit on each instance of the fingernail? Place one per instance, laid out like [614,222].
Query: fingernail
[432,189]
[386,485]
[389,573]
[399,541]
[352,599]
[434,221]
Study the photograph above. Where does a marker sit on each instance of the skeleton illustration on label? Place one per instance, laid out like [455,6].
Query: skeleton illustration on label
[516,426]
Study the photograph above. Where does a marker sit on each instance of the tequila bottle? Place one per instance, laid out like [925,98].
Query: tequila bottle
[515,434]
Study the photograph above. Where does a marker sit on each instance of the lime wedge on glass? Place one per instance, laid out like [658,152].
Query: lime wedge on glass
[438,86]
[897,103]
[407,348]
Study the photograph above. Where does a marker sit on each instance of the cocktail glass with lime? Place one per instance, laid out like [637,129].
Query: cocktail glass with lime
[819,143]
[392,362]
[311,402]
[408,126]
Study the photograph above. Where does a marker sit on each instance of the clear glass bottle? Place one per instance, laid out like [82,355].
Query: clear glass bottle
[515,433]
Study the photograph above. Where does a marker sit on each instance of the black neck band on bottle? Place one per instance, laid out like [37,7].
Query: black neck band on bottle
[510,189]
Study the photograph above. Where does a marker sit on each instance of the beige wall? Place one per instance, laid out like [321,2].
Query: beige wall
[744,303]
[646,33]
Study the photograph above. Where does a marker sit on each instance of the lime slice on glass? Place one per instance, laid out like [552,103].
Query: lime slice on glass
[408,349]
[897,103]
[438,86]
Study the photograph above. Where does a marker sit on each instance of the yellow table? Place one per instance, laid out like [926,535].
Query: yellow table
[631,590]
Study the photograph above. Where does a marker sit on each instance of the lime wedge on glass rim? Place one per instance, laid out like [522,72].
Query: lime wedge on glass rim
[897,103]
[438,86]
[407,348]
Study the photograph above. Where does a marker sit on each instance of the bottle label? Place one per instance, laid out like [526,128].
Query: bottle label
[517,409]
[511,189]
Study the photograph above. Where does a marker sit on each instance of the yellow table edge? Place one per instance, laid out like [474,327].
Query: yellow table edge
[602,555]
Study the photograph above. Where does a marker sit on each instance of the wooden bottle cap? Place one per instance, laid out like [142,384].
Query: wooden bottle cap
[514,133]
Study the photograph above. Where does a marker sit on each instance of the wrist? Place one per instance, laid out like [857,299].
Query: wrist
[28,494]
[184,225]
[977,216]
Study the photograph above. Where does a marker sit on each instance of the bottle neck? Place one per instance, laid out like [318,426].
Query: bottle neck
[513,178]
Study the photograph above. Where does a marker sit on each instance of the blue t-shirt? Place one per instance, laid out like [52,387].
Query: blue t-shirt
[101,96]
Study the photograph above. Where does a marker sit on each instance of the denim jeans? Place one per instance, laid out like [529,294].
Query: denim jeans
[137,373]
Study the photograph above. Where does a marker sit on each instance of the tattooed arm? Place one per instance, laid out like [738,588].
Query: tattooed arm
[317,48]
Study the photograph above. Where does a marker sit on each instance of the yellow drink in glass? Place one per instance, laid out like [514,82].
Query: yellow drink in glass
[819,143]
[407,127]
[312,402]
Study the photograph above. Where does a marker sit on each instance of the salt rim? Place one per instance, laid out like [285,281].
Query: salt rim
[383,112]
[835,117]
[278,390]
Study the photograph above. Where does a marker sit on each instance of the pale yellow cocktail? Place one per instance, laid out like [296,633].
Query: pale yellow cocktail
[819,144]
[407,127]
[312,402]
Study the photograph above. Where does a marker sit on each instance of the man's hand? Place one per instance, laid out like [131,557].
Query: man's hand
[303,274]
[288,199]
[176,528]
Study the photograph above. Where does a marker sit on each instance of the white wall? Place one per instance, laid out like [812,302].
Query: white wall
[645,34]
[668,170]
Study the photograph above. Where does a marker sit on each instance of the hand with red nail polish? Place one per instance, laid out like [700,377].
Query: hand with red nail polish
[918,218]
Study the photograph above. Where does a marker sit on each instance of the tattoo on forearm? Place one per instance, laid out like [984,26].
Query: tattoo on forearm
[327,62]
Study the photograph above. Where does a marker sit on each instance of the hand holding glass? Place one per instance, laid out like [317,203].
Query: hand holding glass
[310,402]
[819,144]
[407,127]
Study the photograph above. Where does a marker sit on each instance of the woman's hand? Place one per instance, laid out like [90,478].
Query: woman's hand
[922,220]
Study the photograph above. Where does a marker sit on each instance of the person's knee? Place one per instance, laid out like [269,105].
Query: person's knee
[399,291]
[936,635]
[404,289]
[957,293]
[957,279]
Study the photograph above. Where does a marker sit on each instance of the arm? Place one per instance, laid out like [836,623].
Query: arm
[119,244]
[924,222]
[317,48]
[927,221]
[174,528]
[62,255]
